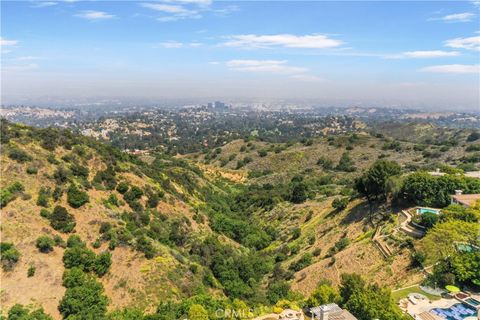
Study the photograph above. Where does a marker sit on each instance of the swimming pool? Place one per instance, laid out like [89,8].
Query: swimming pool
[473,302]
[425,210]
[458,311]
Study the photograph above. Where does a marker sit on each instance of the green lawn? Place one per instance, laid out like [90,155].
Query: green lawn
[397,295]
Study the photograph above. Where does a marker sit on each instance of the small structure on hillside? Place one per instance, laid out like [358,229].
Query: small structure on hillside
[465,200]
[330,311]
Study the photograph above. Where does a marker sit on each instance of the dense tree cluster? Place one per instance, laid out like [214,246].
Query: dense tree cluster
[424,189]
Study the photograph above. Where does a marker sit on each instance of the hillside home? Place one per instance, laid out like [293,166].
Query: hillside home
[465,200]
[330,311]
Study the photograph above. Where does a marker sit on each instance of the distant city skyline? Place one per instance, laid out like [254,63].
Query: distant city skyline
[422,54]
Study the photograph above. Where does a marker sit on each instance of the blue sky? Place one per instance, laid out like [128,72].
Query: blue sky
[393,52]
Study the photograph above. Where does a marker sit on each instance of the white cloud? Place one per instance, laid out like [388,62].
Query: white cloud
[43,4]
[313,41]
[430,54]
[171,45]
[196,2]
[269,66]
[94,15]
[175,44]
[459,17]
[27,58]
[453,68]
[169,8]
[227,10]
[471,43]
[176,12]
[5,42]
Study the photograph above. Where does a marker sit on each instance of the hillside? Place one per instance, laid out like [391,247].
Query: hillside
[251,224]
[49,160]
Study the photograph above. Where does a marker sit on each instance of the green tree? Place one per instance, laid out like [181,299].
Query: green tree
[80,257]
[323,294]
[76,197]
[122,187]
[61,220]
[367,302]
[83,299]
[197,312]
[345,163]
[466,267]
[278,290]
[19,312]
[45,244]
[9,255]
[103,263]
[373,184]
[428,219]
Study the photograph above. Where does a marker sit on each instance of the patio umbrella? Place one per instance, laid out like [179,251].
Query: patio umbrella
[452,289]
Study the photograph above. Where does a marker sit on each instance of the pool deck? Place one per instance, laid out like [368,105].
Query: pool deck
[426,305]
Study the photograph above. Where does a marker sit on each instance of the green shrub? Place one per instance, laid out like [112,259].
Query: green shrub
[113,200]
[10,193]
[262,153]
[32,170]
[103,263]
[45,244]
[75,241]
[153,200]
[19,312]
[80,257]
[61,220]
[59,241]
[474,136]
[44,213]
[51,159]
[296,233]
[133,194]
[19,155]
[345,164]
[302,263]
[325,163]
[97,243]
[31,271]
[339,246]
[6,196]
[79,170]
[9,255]
[84,297]
[57,193]
[61,175]
[105,227]
[340,203]
[75,197]
[122,187]
[44,195]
